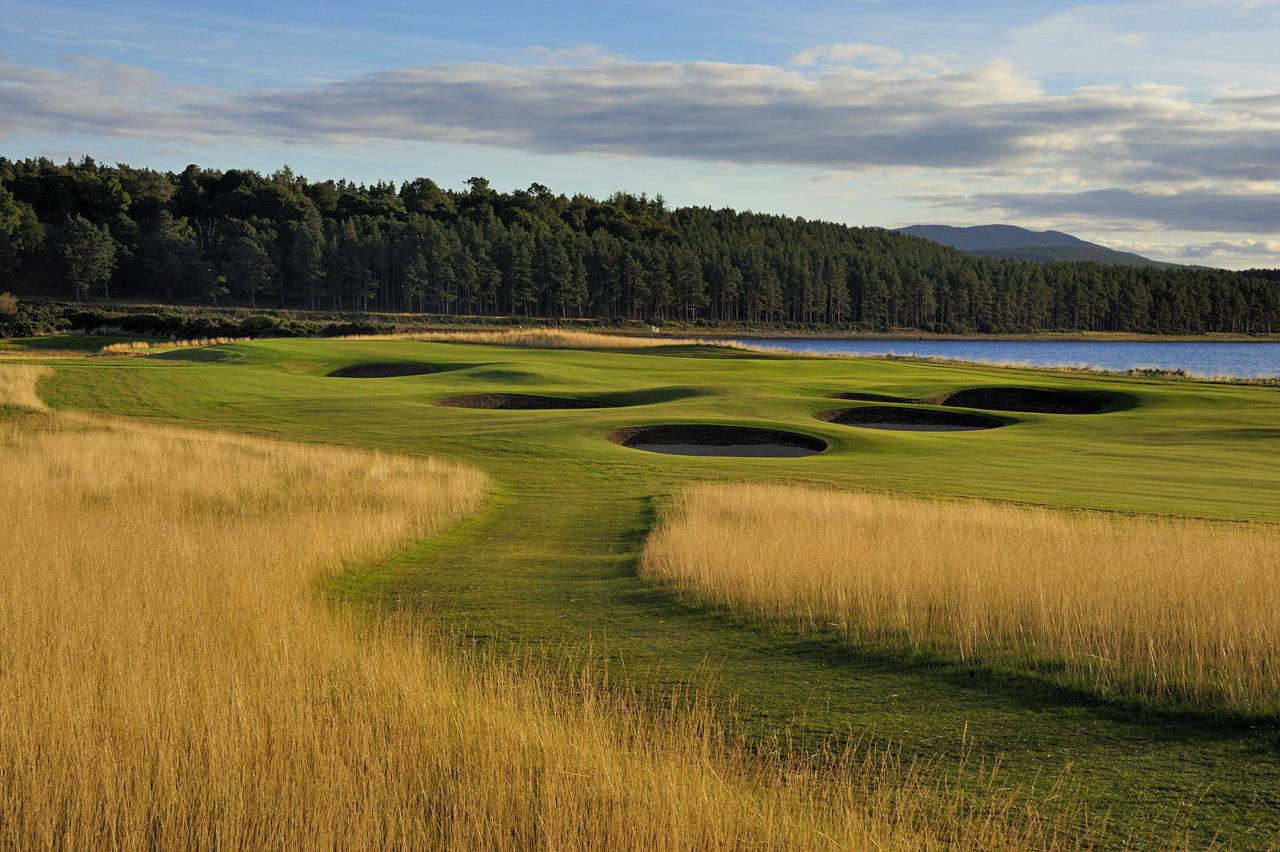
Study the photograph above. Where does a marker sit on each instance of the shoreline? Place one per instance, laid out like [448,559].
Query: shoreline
[912,336]
[712,330]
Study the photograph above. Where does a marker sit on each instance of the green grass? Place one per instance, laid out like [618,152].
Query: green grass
[550,564]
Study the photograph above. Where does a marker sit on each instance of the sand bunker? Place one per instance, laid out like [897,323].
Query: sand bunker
[900,419]
[872,397]
[380,371]
[1031,400]
[517,402]
[708,440]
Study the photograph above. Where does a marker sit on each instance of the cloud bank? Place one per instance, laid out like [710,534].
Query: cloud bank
[1145,154]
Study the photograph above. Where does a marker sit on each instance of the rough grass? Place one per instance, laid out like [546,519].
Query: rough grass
[145,347]
[1180,612]
[551,563]
[18,386]
[171,678]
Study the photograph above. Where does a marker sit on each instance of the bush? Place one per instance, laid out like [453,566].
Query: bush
[347,329]
[23,319]
[261,325]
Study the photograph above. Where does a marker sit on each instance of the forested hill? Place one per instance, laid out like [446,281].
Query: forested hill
[1014,243]
[1088,253]
[987,237]
[203,235]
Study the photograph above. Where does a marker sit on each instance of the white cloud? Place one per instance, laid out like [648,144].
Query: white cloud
[1186,209]
[856,53]
[1218,248]
[1148,154]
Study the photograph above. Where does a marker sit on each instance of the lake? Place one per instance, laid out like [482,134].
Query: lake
[1203,358]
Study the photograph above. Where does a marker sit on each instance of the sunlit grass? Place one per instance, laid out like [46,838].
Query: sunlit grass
[18,386]
[1166,611]
[170,677]
[146,347]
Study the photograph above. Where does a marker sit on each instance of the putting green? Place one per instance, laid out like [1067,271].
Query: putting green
[551,561]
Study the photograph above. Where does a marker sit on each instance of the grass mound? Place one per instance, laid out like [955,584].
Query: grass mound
[518,402]
[380,371]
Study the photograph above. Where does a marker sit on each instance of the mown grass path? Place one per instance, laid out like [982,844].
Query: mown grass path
[550,564]
[510,578]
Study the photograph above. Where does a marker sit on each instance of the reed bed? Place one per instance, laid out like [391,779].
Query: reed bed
[1176,612]
[171,677]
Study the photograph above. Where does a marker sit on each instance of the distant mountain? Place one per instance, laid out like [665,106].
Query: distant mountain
[1014,243]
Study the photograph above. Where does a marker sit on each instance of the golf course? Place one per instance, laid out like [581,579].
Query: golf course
[586,452]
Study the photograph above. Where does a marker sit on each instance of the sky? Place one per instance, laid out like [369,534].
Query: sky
[1145,126]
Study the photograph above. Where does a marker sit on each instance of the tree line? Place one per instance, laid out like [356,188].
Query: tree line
[82,229]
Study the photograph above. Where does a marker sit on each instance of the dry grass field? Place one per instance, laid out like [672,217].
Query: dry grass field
[18,386]
[143,347]
[172,677]
[1162,610]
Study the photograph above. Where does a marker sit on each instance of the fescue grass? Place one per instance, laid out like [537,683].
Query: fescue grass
[550,561]
[18,386]
[1170,611]
[146,347]
[172,679]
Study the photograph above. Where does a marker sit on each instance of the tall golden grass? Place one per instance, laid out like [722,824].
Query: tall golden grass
[22,354]
[170,677]
[18,386]
[143,347]
[1162,611]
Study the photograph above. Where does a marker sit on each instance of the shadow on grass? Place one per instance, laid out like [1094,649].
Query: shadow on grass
[1032,686]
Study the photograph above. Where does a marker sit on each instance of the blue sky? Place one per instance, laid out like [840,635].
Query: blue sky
[1143,125]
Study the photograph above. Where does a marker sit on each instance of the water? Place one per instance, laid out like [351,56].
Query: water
[1240,360]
